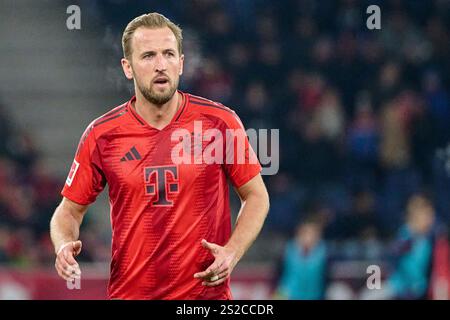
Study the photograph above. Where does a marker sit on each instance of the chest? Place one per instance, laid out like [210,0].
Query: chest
[151,163]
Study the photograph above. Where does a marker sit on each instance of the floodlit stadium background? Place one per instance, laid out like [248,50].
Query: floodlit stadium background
[364,119]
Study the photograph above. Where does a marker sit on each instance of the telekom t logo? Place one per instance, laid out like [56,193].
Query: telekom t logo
[160,183]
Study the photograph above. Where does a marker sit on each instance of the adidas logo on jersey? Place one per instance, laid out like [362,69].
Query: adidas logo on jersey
[133,154]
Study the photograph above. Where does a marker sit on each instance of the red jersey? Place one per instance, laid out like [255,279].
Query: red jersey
[160,210]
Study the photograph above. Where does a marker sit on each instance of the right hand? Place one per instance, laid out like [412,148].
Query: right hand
[65,263]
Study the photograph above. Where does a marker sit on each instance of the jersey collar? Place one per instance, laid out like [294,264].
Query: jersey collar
[143,123]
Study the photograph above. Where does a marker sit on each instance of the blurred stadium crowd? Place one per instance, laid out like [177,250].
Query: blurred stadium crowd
[28,196]
[363,117]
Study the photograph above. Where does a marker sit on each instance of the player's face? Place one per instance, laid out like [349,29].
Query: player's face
[308,235]
[156,64]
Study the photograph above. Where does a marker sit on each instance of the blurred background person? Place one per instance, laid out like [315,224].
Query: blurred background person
[411,275]
[303,265]
[413,254]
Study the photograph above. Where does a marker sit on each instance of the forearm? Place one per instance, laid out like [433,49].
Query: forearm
[64,226]
[249,223]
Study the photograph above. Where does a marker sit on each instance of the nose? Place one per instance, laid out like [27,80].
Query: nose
[160,63]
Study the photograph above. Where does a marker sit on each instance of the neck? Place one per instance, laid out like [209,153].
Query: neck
[158,116]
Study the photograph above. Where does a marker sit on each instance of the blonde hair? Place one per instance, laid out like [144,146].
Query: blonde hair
[152,20]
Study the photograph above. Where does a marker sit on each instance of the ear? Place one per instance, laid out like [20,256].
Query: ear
[127,69]
[181,64]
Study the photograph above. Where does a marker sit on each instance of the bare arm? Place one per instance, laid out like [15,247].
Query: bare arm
[253,212]
[64,231]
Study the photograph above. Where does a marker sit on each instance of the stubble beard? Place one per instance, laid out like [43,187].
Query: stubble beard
[158,98]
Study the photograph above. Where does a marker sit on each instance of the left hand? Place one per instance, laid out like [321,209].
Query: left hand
[221,268]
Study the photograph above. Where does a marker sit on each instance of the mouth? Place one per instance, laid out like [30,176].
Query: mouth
[161,80]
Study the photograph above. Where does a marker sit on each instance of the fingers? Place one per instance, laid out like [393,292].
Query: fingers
[60,270]
[77,247]
[215,283]
[217,279]
[66,266]
[223,273]
[212,270]
[205,274]
[67,269]
[219,270]
[70,259]
[67,272]
[210,246]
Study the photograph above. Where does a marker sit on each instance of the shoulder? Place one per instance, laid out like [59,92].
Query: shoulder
[101,125]
[213,109]
[107,121]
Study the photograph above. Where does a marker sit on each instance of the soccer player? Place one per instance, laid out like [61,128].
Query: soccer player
[171,222]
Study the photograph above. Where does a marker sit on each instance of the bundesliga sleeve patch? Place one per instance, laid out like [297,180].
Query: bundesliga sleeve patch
[72,172]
